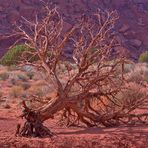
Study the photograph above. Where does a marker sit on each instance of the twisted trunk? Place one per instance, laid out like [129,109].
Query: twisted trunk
[51,108]
[33,127]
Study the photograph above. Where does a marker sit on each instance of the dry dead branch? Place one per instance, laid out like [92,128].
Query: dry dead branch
[89,92]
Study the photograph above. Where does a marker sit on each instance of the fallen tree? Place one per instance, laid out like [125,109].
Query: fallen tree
[92,80]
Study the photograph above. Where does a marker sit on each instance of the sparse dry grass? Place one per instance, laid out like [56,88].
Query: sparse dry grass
[16,91]
[27,84]
[35,90]
[138,74]
[4,75]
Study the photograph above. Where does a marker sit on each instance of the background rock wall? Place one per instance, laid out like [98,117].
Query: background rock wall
[132,27]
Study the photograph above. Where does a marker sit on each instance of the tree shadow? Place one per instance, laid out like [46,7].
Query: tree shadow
[104,130]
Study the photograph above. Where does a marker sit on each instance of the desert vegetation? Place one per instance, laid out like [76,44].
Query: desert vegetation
[144,57]
[94,88]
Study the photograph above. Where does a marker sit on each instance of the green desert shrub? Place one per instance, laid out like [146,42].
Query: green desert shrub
[144,57]
[13,56]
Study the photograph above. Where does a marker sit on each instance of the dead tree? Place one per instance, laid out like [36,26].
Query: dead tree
[94,77]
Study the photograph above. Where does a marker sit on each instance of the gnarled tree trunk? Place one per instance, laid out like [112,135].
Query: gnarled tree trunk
[96,72]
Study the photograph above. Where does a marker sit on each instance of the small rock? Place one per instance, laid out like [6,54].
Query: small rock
[135,42]
[124,28]
[13,16]
[129,34]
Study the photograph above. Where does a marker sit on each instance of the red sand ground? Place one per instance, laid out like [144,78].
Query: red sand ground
[74,137]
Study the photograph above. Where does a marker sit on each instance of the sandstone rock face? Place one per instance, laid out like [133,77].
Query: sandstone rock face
[132,27]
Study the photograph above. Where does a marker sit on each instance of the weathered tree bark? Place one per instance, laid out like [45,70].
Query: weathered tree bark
[51,108]
[34,119]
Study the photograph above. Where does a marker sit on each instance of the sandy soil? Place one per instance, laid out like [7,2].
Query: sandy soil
[73,137]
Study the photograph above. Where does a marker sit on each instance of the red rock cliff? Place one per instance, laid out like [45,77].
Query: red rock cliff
[132,26]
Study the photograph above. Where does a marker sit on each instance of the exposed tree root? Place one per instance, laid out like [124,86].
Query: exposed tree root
[76,115]
[33,127]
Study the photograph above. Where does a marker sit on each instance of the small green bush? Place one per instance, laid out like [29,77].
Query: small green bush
[144,57]
[13,56]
